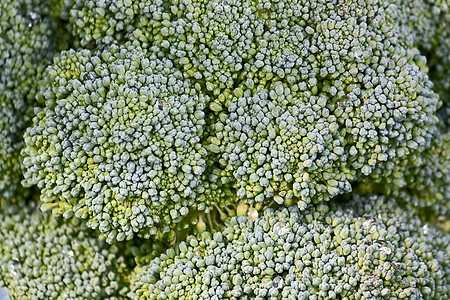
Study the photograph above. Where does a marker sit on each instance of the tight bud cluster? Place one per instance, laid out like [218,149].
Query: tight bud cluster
[365,249]
[42,257]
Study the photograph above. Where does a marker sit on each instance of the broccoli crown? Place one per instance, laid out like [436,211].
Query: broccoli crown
[366,249]
[44,258]
[26,47]
[309,98]
[210,118]
[118,142]
[304,100]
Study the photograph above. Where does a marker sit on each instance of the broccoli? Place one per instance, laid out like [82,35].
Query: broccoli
[421,182]
[426,24]
[26,48]
[364,249]
[319,99]
[304,128]
[99,24]
[42,257]
[281,144]
[118,142]
[215,149]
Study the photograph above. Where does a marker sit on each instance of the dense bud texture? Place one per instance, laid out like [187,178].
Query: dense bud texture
[99,24]
[366,249]
[310,97]
[243,124]
[422,181]
[294,100]
[43,258]
[426,24]
[280,144]
[26,47]
[118,142]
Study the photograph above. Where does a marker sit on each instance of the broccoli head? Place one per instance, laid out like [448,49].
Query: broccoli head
[42,257]
[118,142]
[26,48]
[206,149]
[305,99]
[365,249]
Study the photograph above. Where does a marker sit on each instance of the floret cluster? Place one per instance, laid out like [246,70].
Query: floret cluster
[44,258]
[225,149]
[301,112]
[118,141]
[365,249]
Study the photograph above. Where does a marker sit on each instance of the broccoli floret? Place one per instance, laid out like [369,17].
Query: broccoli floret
[349,93]
[99,24]
[26,48]
[280,144]
[118,142]
[42,257]
[323,97]
[365,249]
[425,23]
[421,182]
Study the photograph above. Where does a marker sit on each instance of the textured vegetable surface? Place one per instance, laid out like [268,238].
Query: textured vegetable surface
[225,149]
[118,141]
[367,248]
[26,49]
[43,258]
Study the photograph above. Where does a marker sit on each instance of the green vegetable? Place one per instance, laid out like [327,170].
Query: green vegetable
[316,102]
[421,182]
[118,142]
[426,24]
[367,248]
[43,258]
[26,48]
[225,149]
[99,24]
